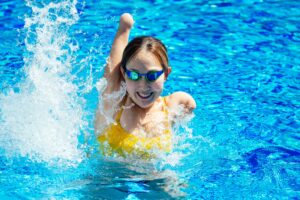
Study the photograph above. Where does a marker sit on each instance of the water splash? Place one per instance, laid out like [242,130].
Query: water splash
[108,114]
[43,117]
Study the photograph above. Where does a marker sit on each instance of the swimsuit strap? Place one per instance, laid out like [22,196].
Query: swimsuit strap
[166,112]
[165,106]
[119,114]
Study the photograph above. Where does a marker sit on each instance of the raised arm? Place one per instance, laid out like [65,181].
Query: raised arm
[106,108]
[112,71]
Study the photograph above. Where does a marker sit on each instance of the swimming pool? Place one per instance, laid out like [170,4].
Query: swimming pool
[238,58]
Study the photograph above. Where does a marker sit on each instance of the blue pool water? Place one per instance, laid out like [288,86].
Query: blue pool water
[238,58]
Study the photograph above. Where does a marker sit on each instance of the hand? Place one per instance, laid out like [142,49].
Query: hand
[126,21]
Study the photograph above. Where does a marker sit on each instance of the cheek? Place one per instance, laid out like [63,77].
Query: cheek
[158,86]
[130,86]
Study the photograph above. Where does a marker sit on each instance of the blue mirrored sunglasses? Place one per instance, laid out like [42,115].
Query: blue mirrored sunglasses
[150,76]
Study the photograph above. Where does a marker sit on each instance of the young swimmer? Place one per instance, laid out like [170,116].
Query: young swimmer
[142,121]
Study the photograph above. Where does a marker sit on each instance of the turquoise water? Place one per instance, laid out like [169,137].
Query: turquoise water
[239,60]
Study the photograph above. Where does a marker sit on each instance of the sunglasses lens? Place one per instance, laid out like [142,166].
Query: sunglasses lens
[152,76]
[133,76]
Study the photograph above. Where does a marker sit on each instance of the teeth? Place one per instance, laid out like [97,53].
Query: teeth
[144,95]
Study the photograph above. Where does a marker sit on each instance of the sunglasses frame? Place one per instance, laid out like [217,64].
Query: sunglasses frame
[157,75]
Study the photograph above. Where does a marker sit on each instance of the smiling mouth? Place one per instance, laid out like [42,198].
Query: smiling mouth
[144,96]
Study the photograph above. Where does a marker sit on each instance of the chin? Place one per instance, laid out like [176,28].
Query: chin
[144,105]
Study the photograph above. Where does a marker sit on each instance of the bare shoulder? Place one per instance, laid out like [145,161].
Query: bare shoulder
[181,98]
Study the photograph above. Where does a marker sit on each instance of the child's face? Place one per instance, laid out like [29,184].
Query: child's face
[143,92]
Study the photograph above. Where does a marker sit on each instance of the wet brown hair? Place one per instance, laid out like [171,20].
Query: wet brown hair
[148,43]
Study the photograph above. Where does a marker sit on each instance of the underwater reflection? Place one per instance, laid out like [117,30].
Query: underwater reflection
[115,179]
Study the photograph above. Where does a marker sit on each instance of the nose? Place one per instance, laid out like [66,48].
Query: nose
[143,82]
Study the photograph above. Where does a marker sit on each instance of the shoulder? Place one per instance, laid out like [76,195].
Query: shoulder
[181,98]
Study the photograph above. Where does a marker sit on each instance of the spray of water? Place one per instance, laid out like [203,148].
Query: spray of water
[44,117]
[115,98]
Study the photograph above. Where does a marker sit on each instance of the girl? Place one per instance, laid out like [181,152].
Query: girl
[142,121]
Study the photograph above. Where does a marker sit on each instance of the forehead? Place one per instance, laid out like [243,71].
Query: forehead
[144,60]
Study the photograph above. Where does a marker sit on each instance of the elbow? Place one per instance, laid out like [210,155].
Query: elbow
[191,105]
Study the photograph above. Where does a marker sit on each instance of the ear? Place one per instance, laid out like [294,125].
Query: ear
[122,72]
[168,72]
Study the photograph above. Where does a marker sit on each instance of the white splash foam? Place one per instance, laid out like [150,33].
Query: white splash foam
[115,97]
[43,120]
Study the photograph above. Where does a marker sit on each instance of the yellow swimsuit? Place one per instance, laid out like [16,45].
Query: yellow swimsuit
[115,140]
